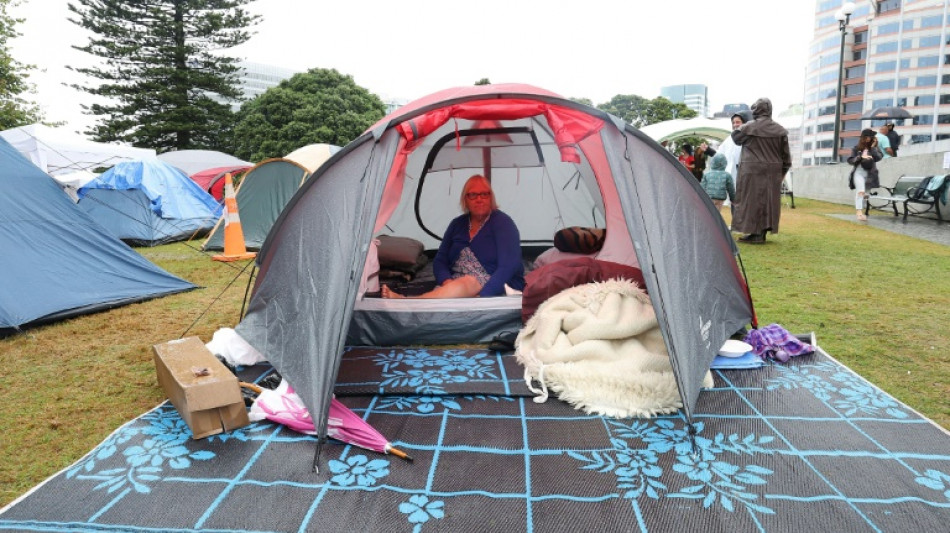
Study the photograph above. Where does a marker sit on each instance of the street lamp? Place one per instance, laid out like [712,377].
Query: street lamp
[843,15]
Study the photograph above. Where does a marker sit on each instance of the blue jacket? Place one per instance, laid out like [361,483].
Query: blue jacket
[497,246]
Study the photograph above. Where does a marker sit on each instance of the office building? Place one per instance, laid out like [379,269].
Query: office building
[896,53]
[256,78]
[694,96]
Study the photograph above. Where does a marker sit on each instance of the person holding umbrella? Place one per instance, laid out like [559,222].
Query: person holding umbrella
[884,143]
[893,137]
[864,175]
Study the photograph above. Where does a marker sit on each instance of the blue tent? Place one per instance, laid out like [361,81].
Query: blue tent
[145,203]
[57,262]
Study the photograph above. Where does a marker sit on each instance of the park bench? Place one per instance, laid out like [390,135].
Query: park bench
[916,195]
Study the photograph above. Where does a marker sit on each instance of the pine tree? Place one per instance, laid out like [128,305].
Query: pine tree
[15,110]
[163,81]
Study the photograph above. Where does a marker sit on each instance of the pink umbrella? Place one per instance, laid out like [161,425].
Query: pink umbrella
[282,405]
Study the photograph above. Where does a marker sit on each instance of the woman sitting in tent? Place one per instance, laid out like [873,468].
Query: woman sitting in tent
[480,252]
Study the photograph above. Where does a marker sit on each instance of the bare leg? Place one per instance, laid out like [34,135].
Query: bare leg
[463,287]
[389,293]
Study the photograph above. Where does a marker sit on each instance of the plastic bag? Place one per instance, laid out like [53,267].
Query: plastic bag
[234,349]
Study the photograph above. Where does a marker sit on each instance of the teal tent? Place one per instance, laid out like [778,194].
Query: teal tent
[262,195]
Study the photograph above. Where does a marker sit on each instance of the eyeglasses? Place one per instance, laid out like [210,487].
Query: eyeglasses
[474,195]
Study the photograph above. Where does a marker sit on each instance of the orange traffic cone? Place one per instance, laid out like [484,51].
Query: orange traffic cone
[234,248]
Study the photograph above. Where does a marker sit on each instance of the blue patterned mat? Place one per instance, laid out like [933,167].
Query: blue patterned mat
[807,446]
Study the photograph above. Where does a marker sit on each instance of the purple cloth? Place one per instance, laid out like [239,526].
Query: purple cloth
[774,342]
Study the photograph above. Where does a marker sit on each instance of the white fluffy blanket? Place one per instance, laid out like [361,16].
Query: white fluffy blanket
[599,348]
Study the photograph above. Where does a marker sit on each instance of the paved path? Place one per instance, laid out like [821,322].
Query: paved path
[922,228]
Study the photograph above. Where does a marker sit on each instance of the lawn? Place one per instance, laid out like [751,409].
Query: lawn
[877,302]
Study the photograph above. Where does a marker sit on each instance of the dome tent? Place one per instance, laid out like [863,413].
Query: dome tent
[307,289]
[266,188]
[146,203]
[264,191]
[212,179]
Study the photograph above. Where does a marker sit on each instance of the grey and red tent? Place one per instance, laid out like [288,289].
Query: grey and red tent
[554,163]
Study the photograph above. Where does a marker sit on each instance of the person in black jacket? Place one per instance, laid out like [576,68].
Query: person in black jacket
[893,137]
[864,175]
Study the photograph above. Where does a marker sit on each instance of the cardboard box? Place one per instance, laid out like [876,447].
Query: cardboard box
[205,392]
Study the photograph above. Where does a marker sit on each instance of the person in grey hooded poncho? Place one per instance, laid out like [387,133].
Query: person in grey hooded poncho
[764,162]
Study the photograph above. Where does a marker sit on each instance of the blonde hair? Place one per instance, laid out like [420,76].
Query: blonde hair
[468,186]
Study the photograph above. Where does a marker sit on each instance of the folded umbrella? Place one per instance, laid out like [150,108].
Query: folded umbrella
[282,405]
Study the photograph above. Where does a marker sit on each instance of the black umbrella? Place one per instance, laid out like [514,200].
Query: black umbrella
[886,112]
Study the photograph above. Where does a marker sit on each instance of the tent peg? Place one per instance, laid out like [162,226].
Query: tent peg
[316,454]
[691,432]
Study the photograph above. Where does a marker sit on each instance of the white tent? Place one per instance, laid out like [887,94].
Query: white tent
[58,151]
[670,130]
[73,181]
[193,161]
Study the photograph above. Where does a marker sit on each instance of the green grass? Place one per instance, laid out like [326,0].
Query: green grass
[877,301]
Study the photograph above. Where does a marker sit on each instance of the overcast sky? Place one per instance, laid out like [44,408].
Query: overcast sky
[740,49]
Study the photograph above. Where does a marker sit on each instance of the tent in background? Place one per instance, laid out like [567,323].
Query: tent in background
[146,203]
[312,264]
[73,181]
[670,130]
[57,151]
[212,179]
[192,161]
[312,156]
[261,196]
[57,261]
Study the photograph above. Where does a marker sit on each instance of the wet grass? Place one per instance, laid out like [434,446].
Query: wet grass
[877,301]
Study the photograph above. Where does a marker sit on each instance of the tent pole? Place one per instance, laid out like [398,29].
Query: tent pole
[748,292]
[247,290]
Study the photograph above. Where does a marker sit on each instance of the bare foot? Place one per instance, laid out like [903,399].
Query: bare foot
[389,293]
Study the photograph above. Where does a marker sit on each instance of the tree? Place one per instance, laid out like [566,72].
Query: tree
[317,106]
[15,110]
[641,112]
[164,83]
[585,101]
[483,81]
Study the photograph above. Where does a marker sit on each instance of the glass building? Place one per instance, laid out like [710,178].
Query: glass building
[694,96]
[256,78]
[896,53]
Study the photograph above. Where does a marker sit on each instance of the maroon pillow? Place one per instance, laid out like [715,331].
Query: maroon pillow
[544,282]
